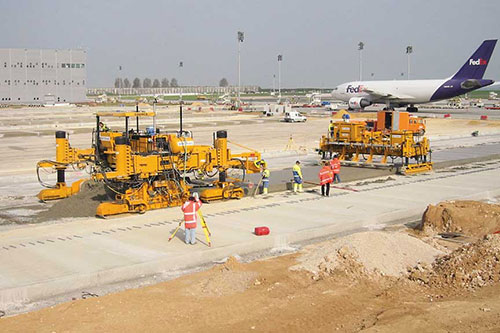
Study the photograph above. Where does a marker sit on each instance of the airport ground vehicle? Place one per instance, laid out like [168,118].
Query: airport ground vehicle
[148,169]
[336,106]
[394,135]
[294,116]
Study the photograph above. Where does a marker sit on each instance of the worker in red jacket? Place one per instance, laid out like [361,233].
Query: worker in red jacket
[325,178]
[190,209]
[335,166]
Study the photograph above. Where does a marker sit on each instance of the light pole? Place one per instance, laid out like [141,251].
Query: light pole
[241,37]
[274,84]
[361,46]
[409,50]
[120,82]
[280,59]
[181,65]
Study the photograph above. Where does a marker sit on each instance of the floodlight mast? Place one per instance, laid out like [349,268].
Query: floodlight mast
[181,65]
[241,37]
[280,59]
[409,51]
[361,46]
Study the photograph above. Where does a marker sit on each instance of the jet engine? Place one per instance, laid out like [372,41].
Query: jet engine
[359,103]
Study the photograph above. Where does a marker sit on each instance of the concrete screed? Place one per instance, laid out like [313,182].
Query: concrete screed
[43,261]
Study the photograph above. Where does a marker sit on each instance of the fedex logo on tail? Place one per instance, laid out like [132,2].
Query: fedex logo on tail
[478,62]
[354,90]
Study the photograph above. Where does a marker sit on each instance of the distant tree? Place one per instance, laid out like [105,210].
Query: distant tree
[223,82]
[156,83]
[173,82]
[164,83]
[137,83]
[126,83]
[146,83]
[118,83]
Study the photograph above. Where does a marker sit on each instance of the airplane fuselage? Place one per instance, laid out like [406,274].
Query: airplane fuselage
[408,91]
[359,94]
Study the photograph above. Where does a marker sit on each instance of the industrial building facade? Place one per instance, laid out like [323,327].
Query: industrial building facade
[42,76]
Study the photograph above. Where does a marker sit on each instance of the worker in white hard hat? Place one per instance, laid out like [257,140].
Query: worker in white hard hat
[190,209]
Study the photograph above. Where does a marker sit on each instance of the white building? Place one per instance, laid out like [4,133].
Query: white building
[42,76]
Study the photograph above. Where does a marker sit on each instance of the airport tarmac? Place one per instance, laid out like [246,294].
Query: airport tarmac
[41,261]
[450,140]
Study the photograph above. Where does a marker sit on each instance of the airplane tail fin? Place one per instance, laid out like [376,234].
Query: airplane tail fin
[475,66]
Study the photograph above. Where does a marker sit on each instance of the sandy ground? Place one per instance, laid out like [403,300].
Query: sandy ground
[274,299]
[269,296]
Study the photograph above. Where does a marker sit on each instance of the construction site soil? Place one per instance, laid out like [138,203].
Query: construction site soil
[471,218]
[377,281]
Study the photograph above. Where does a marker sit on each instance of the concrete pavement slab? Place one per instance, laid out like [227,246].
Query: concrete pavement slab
[42,261]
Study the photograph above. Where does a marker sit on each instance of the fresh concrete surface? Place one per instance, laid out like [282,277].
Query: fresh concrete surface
[39,262]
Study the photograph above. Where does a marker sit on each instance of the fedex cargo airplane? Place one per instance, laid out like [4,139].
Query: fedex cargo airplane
[399,93]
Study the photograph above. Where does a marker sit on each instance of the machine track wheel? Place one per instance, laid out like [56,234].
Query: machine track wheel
[141,209]
[227,193]
[237,193]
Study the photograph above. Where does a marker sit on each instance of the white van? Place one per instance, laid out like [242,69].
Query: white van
[294,116]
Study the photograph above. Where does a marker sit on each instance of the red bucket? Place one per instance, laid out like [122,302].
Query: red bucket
[484,117]
[261,231]
[447,115]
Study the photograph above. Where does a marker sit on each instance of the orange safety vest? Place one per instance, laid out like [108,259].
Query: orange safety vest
[190,208]
[335,165]
[325,175]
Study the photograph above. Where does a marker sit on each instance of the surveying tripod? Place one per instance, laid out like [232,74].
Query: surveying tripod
[204,226]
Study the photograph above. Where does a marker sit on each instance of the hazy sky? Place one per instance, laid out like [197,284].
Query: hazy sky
[318,39]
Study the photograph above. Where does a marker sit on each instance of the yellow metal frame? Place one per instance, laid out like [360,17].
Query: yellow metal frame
[352,139]
[150,158]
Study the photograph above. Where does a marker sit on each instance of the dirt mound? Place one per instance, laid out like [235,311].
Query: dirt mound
[82,204]
[384,253]
[223,280]
[471,218]
[469,267]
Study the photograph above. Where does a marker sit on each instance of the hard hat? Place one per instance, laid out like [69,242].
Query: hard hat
[195,195]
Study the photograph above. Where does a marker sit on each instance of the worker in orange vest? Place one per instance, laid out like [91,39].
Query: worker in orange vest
[335,166]
[325,178]
[190,209]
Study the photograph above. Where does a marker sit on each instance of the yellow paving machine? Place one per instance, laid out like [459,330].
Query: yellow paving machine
[147,169]
[393,135]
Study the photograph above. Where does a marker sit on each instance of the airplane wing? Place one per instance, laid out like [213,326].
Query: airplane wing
[385,95]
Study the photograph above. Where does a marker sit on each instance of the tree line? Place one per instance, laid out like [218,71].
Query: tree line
[146,83]
[156,83]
